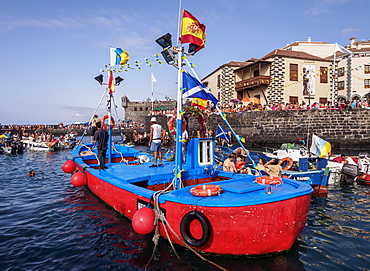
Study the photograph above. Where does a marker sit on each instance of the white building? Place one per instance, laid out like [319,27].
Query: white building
[353,75]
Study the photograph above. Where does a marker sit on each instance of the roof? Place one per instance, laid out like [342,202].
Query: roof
[296,43]
[255,62]
[292,54]
[230,64]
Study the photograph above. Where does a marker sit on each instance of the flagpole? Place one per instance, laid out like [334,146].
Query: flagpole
[178,153]
[109,105]
[152,92]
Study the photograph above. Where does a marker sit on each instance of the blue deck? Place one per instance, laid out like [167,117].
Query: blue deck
[238,189]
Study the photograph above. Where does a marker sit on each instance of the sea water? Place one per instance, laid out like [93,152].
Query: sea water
[47,224]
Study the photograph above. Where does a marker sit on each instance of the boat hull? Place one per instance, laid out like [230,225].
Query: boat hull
[364,178]
[243,230]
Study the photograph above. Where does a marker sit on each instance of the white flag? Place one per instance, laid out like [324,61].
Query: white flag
[339,48]
[153,78]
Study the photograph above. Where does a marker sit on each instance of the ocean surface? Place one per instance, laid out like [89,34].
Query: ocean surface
[47,224]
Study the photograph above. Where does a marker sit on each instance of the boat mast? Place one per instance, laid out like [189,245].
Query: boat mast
[178,153]
[109,111]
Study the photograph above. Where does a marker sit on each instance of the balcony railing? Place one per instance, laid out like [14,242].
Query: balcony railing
[252,82]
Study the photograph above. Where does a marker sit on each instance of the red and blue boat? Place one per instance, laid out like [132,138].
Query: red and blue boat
[193,203]
[244,216]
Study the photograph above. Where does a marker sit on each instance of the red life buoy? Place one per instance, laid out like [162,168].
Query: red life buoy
[269,180]
[172,125]
[289,165]
[206,190]
[106,117]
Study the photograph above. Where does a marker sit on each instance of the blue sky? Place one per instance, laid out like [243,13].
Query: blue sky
[50,51]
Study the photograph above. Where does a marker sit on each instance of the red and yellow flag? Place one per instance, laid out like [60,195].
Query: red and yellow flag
[192,31]
[110,82]
[200,103]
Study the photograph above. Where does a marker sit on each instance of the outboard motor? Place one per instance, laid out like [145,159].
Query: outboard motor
[349,173]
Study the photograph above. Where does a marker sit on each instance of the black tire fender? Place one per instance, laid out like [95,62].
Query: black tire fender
[185,231]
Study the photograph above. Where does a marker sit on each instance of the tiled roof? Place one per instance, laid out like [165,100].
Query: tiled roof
[292,54]
[236,64]
[231,63]
[306,42]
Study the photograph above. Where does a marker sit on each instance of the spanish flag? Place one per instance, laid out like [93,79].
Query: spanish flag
[200,103]
[192,31]
[111,82]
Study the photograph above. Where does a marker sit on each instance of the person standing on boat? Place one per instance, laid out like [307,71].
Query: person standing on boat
[101,137]
[94,121]
[155,141]
[8,136]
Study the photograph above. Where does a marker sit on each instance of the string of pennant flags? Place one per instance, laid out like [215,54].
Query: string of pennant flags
[137,65]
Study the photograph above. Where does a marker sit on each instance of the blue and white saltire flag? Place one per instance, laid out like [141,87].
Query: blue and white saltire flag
[320,147]
[222,133]
[192,88]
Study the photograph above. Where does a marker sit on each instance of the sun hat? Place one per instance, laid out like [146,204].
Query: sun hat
[153,119]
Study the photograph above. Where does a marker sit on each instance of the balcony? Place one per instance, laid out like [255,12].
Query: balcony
[252,82]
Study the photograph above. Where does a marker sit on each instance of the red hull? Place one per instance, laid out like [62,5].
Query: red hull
[364,178]
[247,230]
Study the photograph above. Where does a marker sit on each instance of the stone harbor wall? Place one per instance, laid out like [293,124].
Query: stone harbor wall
[348,129]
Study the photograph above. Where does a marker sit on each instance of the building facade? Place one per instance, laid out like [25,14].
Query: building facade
[285,76]
[353,71]
[222,81]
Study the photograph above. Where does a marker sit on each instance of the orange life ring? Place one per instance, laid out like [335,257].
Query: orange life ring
[289,165]
[171,125]
[104,118]
[52,143]
[206,190]
[269,180]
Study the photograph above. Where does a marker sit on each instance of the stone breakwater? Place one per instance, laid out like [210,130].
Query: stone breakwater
[348,129]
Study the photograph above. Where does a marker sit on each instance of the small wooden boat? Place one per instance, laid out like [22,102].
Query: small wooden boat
[190,201]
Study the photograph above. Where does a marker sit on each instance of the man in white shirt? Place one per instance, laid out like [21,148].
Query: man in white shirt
[155,141]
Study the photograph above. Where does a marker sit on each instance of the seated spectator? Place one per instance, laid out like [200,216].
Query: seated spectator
[274,168]
[229,164]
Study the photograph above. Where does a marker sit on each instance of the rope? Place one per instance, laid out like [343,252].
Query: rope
[160,216]
[120,153]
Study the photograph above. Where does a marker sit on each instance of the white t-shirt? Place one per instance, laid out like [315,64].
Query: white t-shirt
[157,132]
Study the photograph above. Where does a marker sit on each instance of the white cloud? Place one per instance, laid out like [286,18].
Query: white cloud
[349,31]
[318,7]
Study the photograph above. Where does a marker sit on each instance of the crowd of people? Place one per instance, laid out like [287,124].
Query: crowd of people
[38,137]
[237,107]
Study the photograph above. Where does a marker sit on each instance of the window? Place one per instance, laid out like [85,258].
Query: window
[293,72]
[219,80]
[293,99]
[323,100]
[256,73]
[141,109]
[323,74]
[367,83]
[340,85]
[340,71]
[367,68]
